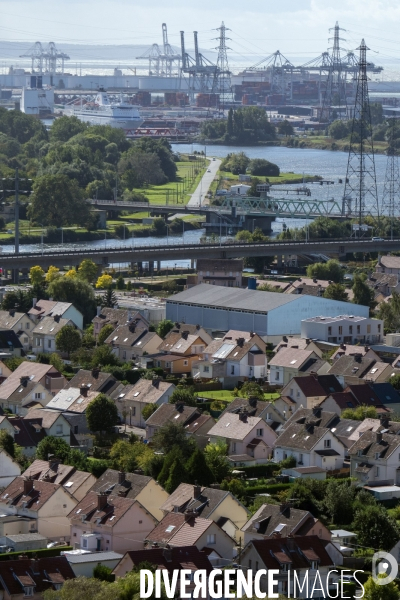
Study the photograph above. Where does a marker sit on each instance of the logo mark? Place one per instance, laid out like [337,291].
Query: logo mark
[384,568]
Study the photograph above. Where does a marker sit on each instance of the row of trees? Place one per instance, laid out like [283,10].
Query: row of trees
[245,125]
[239,162]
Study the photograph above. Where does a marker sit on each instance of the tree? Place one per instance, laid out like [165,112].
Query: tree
[103,573]
[262,167]
[330,270]
[36,275]
[104,282]
[164,327]
[390,313]
[84,588]
[216,459]
[339,129]
[374,591]
[109,299]
[285,128]
[52,445]
[229,124]
[87,270]
[65,128]
[183,395]
[52,273]
[104,356]
[19,298]
[363,294]
[57,200]
[76,291]
[104,333]
[360,413]
[198,469]
[148,410]
[68,339]
[375,528]
[249,389]
[7,442]
[339,501]
[120,282]
[102,414]
[124,456]
[336,291]
[395,381]
[71,274]
[170,436]
[177,475]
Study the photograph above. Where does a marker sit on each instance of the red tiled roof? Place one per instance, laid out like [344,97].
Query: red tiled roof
[34,499]
[175,530]
[15,574]
[299,551]
[110,514]
[180,558]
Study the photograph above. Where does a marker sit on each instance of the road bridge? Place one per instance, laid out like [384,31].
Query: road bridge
[66,257]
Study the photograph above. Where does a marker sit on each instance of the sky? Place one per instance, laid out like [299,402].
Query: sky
[298,28]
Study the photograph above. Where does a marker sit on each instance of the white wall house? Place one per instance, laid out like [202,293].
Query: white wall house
[346,329]
[311,447]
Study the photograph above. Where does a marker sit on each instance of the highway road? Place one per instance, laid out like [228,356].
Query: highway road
[105,256]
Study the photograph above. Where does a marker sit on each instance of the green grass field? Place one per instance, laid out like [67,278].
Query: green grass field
[228,396]
[227,179]
[177,192]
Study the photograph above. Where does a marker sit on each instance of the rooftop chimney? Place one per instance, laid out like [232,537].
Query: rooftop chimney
[243,415]
[290,543]
[101,501]
[189,514]
[179,406]
[11,312]
[197,327]
[95,372]
[98,310]
[156,382]
[178,325]
[384,421]
[316,411]
[84,390]
[240,342]
[121,477]
[57,318]
[34,302]
[185,335]
[379,437]
[28,485]
[196,490]
[24,380]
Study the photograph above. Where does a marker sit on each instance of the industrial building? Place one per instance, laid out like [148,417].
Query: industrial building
[343,329]
[267,313]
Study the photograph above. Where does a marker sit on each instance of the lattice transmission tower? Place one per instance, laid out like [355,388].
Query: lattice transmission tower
[222,81]
[391,191]
[360,194]
[334,105]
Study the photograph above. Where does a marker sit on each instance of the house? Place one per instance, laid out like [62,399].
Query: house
[310,391]
[209,503]
[257,408]
[83,562]
[375,457]
[27,435]
[142,488]
[307,555]
[50,308]
[187,529]
[346,329]
[238,356]
[131,399]
[168,559]
[172,363]
[352,397]
[310,443]
[388,264]
[45,332]
[271,519]
[175,334]
[20,323]
[170,413]
[72,403]
[47,503]
[53,422]
[355,368]
[307,286]
[11,343]
[9,469]
[249,439]
[108,522]
[344,540]
[289,341]
[240,189]
[218,271]
[221,308]
[351,350]
[388,396]
[129,341]
[290,362]
[95,380]
[76,482]
[30,578]
[383,284]
[15,525]
[6,424]
[115,317]
[30,381]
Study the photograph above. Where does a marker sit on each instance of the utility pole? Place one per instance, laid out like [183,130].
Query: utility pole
[361,178]
[391,190]
[222,79]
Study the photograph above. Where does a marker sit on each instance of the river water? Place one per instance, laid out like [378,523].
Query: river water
[329,165]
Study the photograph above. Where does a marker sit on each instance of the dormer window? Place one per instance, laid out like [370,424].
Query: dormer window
[28,591]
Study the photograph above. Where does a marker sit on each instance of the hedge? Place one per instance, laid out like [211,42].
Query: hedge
[267,489]
[266,470]
[41,553]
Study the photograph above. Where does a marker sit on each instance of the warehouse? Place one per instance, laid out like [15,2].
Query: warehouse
[269,314]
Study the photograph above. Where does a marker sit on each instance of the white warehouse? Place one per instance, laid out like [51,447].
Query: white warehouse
[266,313]
[343,329]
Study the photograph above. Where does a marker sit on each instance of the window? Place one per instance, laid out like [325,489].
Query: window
[284,568]
[327,443]
[340,330]
[185,363]
[291,391]
[368,328]
[276,375]
[49,343]
[133,409]
[300,459]
[376,471]
[211,539]
[329,330]
[233,446]
[27,325]
[358,329]
[232,369]
[38,395]
[124,354]
[206,369]
[260,432]
[28,591]
[75,428]
[314,564]
[379,327]
[26,340]
[59,428]
[350,328]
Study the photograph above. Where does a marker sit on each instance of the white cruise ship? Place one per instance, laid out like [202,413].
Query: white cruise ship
[103,112]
